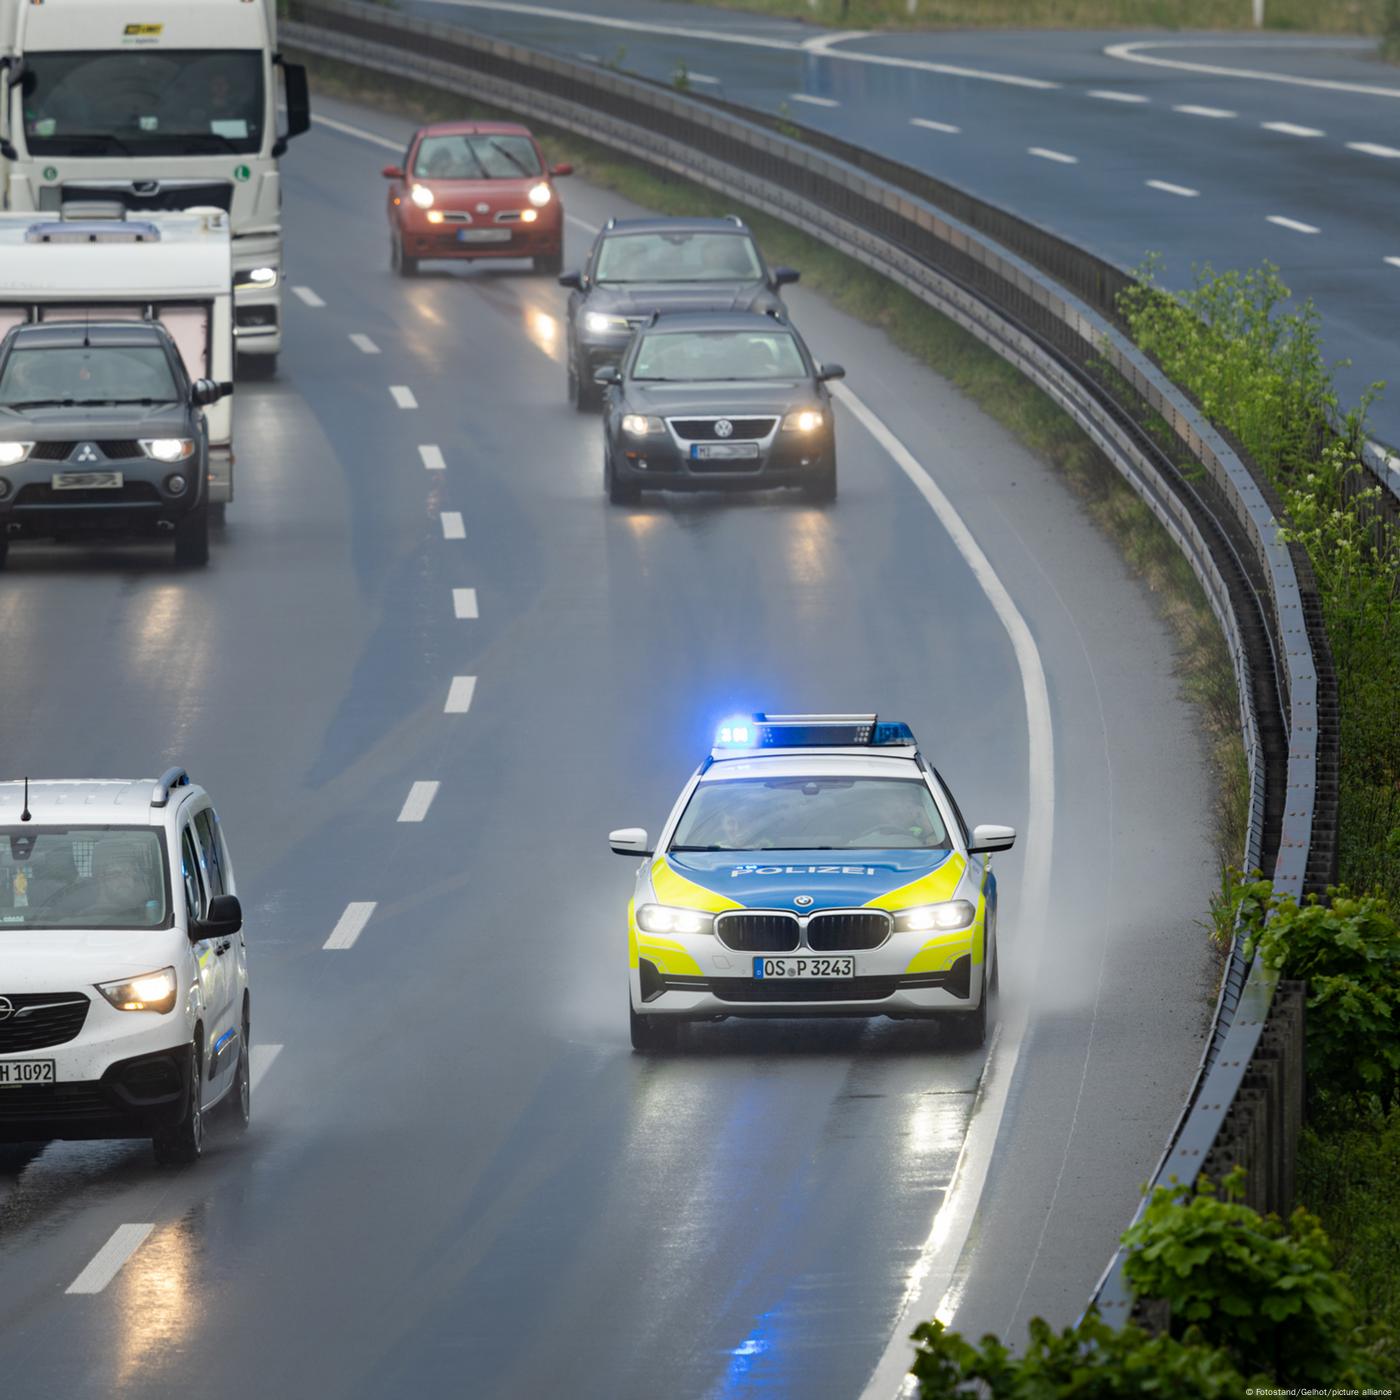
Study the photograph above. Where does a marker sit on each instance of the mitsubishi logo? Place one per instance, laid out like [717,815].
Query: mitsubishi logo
[723,428]
[803,901]
[86,453]
[7,1008]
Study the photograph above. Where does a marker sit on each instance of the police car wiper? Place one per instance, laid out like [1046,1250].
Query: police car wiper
[709,848]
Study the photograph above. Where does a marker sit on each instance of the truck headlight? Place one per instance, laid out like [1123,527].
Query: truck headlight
[254,279]
[540,195]
[803,420]
[152,991]
[639,425]
[662,918]
[598,323]
[936,918]
[13,453]
[168,449]
[422,196]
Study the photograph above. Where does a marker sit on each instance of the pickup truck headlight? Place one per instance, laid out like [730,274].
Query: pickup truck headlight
[152,991]
[662,918]
[639,425]
[600,323]
[168,449]
[803,420]
[13,453]
[948,917]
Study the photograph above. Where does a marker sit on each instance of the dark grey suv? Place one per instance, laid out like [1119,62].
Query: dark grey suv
[638,267]
[102,433]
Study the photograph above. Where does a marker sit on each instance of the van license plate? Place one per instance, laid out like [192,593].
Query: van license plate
[14,1072]
[87,481]
[807,969]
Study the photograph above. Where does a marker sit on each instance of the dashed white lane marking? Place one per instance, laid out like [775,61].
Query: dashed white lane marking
[580,223]
[930,125]
[1291,223]
[1059,156]
[464,602]
[362,342]
[403,396]
[1289,129]
[263,1056]
[452,526]
[419,799]
[432,457]
[308,296]
[702,78]
[814,101]
[351,924]
[107,1262]
[1194,111]
[1369,148]
[346,129]
[1107,95]
[459,695]
[1394,262]
[1185,191]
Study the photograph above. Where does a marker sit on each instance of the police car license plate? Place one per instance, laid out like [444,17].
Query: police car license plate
[809,969]
[14,1072]
[727,451]
[87,481]
[483,235]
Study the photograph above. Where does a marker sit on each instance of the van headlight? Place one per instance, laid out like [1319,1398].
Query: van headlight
[422,196]
[168,449]
[662,918]
[948,917]
[152,991]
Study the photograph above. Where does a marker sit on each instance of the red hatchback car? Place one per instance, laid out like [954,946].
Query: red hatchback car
[475,190]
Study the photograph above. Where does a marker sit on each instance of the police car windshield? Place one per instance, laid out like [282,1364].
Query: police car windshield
[810,814]
[87,374]
[82,877]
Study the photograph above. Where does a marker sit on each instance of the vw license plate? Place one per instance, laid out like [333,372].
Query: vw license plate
[87,481]
[483,235]
[808,968]
[14,1072]
[730,451]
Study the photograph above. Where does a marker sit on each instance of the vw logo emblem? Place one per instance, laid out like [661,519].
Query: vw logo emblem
[723,428]
[7,1008]
[86,453]
[802,901]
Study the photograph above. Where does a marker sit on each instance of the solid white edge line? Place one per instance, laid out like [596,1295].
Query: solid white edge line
[419,799]
[701,77]
[581,223]
[931,1278]
[1185,191]
[1291,223]
[403,396]
[464,603]
[308,296]
[929,125]
[453,527]
[262,1061]
[1058,156]
[1191,110]
[104,1266]
[432,458]
[814,101]
[359,132]
[1108,95]
[1291,129]
[459,695]
[350,925]
[1369,148]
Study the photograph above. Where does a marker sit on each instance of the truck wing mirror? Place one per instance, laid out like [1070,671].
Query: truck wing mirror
[298,99]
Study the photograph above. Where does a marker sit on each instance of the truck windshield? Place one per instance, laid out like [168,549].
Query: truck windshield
[145,102]
[82,877]
[87,374]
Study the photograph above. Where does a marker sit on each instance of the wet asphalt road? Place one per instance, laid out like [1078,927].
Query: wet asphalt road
[460,1179]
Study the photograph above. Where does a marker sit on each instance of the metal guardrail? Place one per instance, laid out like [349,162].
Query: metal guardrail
[1049,309]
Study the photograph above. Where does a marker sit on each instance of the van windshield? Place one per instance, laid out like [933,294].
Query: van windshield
[82,877]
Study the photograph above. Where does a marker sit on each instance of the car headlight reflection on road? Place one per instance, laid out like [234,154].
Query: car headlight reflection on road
[422,196]
[639,425]
[598,323]
[935,918]
[540,195]
[803,420]
[13,453]
[153,991]
[168,449]
[662,918]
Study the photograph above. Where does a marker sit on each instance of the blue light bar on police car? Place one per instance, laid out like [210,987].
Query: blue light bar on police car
[763,731]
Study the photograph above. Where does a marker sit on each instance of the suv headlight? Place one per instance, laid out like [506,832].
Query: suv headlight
[13,453]
[540,195]
[259,278]
[168,449]
[422,196]
[936,918]
[639,425]
[803,420]
[152,991]
[598,323]
[662,918]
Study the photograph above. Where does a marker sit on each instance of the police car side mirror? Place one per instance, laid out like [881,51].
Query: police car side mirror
[986,839]
[222,919]
[629,841]
[571,279]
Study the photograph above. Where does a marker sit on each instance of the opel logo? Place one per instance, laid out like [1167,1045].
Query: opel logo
[7,1008]
[723,428]
[802,901]
[86,453]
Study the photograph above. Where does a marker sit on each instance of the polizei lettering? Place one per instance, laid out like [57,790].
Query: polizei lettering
[739,870]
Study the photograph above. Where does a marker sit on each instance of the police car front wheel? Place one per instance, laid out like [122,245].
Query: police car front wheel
[652,1032]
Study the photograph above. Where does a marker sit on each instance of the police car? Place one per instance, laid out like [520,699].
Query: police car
[813,865]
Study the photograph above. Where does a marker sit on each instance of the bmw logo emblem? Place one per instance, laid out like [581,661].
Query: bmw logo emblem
[724,428]
[803,901]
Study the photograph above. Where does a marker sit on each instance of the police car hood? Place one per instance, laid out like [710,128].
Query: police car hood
[831,879]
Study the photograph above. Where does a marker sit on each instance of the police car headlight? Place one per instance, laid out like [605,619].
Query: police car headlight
[803,420]
[599,323]
[422,196]
[154,991]
[639,425]
[168,449]
[662,918]
[936,918]
[13,453]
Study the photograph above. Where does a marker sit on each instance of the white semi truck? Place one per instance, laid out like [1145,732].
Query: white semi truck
[171,268]
[159,105]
